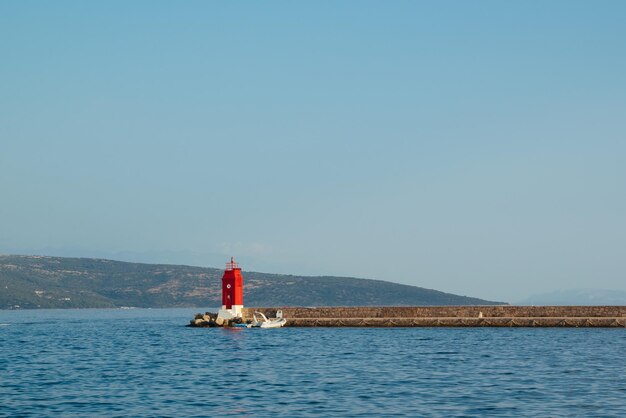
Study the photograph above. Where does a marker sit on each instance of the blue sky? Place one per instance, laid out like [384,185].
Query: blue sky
[471,147]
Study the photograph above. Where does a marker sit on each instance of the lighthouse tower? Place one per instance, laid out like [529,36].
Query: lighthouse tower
[232,291]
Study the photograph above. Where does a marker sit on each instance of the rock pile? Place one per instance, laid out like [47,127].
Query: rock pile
[210,319]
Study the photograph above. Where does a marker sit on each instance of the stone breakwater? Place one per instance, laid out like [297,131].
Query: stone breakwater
[434,316]
[450,316]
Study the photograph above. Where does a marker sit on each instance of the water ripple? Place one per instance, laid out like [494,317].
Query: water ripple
[144,363]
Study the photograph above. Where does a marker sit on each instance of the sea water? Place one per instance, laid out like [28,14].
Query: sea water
[146,363]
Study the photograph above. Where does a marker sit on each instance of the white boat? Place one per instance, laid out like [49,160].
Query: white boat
[267,323]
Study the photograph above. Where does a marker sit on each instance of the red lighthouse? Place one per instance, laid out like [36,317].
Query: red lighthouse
[232,289]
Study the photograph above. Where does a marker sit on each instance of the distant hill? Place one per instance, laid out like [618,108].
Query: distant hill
[583,297]
[56,282]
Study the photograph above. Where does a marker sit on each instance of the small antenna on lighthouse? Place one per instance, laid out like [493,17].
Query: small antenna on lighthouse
[232,265]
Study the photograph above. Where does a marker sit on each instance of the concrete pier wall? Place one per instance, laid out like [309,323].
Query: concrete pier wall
[446,312]
[450,316]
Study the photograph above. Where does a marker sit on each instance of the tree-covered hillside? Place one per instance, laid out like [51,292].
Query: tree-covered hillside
[55,282]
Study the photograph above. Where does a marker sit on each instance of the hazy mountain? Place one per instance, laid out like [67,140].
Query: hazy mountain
[577,297]
[56,282]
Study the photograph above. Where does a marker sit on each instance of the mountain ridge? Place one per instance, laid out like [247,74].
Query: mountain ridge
[64,282]
[577,296]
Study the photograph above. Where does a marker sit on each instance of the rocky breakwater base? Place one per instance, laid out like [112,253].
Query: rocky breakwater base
[450,316]
[211,320]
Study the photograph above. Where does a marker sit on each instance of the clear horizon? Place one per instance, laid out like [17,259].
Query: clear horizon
[475,149]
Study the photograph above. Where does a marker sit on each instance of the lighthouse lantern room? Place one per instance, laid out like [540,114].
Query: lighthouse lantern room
[232,291]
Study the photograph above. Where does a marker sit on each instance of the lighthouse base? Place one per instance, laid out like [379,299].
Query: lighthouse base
[234,312]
